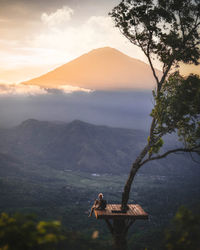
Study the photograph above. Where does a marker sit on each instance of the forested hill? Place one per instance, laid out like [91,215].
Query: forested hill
[85,147]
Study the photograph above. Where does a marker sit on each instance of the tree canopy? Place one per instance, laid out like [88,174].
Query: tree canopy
[177,108]
[168,31]
[24,232]
[184,233]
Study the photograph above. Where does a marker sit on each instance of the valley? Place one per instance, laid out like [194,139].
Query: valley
[34,180]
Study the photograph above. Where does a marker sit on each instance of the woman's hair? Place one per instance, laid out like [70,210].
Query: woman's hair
[100,194]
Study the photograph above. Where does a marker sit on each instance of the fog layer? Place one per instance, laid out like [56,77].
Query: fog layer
[118,109]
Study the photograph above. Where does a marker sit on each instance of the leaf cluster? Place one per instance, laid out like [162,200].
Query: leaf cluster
[24,232]
[167,29]
[177,108]
[170,32]
[156,146]
[185,233]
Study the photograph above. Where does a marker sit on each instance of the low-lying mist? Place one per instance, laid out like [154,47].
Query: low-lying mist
[128,109]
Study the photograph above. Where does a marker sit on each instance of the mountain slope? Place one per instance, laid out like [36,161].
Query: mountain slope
[100,69]
[76,145]
[10,165]
[85,147]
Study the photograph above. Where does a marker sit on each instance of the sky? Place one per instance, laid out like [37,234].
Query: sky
[38,36]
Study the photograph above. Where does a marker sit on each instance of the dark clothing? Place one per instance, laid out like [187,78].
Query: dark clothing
[98,205]
[101,204]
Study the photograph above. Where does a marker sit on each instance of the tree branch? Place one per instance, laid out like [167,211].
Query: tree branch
[152,68]
[170,152]
[194,160]
[145,52]
[165,75]
[149,58]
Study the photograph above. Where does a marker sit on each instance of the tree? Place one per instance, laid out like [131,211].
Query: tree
[168,31]
[19,232]
[24,232]
[184,233]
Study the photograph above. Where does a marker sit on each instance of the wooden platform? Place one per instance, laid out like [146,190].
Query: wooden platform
[134,212]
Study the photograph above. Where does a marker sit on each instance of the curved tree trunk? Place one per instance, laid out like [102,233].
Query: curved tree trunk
[120,228]
[127,187]
[135,167]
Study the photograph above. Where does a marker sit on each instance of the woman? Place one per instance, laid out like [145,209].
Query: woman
[99,204]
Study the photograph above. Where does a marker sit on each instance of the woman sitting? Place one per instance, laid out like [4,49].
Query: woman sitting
[99,204]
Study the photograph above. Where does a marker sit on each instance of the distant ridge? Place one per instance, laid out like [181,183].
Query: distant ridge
[81,146]
[100,69]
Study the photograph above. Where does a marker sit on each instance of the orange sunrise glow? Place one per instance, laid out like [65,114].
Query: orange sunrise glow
[39,36]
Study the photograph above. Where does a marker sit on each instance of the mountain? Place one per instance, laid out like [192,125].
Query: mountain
[76,145]
[10,165]
[100,69]
[84,147]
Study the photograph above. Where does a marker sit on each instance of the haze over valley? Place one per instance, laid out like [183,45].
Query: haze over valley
[104,87]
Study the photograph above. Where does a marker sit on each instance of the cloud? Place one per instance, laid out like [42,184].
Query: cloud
[71,41]
[121,109]
[70,89]
[59,17]
[37,37]
[56,43]
[27,90]
[20,89]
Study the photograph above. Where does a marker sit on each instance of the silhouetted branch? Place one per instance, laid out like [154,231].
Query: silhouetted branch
[195,150]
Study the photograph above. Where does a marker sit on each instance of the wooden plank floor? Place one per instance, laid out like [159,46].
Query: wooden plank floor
[135,211]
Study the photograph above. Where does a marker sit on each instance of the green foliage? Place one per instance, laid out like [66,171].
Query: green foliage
[185,234]
[156,146]
[19,232]
[170,32]
[167,29]
[23,232]
[177,108]
[156,190]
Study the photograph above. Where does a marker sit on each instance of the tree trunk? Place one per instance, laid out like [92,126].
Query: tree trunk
[119,234]
[127,187]
[120,227]
[135,167]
